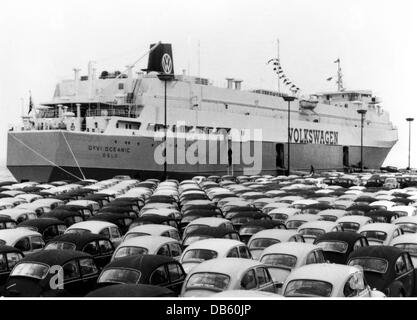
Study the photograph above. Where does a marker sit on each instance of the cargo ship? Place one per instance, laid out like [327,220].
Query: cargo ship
[154,122]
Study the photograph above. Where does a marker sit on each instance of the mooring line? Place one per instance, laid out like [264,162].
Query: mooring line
[44,158]
[73,155]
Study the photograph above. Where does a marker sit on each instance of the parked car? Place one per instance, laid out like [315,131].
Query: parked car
[380,233]
[328,280]
[98,246]
[31,276]
[209,233]
[332,214]
[250,228]
[9,256]
[164,246]
[144,269]
[152,230]
[282,214]
[311,230]
[204,250]
[7,223]
[68,217]
[296,221]
[110,230]
[353,223]
[407,242]
[47,227]
[131,290]
[27,241]
[283,258]
[388,269]
[216,275]
[338,245]
[407,224]
[207,222]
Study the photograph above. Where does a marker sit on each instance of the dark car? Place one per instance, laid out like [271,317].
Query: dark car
[132,290]
[388,269]
[358,209]
[9,256]
[205,232]
[248,229]
[98,246]
[375,182]
[244,217]
[101,199]
[383,216]
[39,275]
[133,204]
[119,220]
[189,206]
[316,208]
[7,223]
[87,212]
[365,200]
[121,210]
[47,227]
[337,246]
[68,217]
[156,270]
[232,211]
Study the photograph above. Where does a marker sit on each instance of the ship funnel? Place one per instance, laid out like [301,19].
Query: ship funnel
[229,83]
[160,59]
[238,84]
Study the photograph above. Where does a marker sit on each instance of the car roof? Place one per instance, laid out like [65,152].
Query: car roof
[234,267]
[79,239]
[405,238]
[218,232]
[152,243]
[378,226]
[95,226]
[320,224]
[154,229]
[383,252]
[12,235]
[328,272]
[210,221]
[279,234]
[304,217]
[54,257]
[222,246]
[40,223]
[297,249]
[354,218]
[146,263]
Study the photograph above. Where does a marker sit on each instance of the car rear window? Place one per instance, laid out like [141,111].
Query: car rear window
[60,246]
[208,280]
[199,255]
[276,259]
[349,226]
[279,216]
[294,224]
[118,275]
[408,227]
[333,246]
[31,270]
[308,288]
[315,232]
[262,243]
[250,230]
[370,264]
[409,247]
[130,251]
[378,236]
[77,231]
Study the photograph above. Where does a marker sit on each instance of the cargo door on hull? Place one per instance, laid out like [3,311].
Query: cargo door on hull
[346,156]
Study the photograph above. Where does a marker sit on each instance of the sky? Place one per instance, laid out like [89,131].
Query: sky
[42,41]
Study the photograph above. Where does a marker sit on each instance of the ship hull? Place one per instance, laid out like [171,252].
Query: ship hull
[56,155]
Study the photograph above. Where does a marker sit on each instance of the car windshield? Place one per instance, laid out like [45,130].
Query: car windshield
[374,235]
[408,227]
[60,246]
[135,234]
[118,275]
[277,259]
[349,226]
[130,251]
[31,270]
[294,224]
[409,247]
[302,288]
[370,264]
[262,243]
[77,231]
[312,232]
[208,280]
[279,216]
[199,255]
[333,246]
[250,230]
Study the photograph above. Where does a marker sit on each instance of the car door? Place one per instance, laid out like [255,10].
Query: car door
[106,251]
[36,243]
[89,274]
[404,271]
[176,276]
[72,278]
[264,280]
[159,277]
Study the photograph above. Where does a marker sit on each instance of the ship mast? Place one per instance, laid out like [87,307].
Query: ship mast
[339,76]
